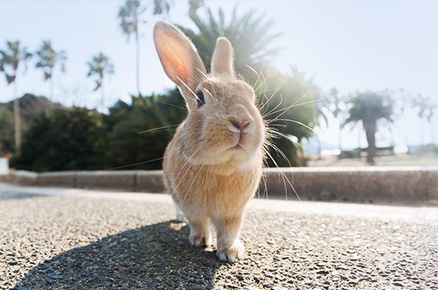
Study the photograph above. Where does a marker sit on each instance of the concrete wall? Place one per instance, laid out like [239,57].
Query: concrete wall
[398,185]
[388,185]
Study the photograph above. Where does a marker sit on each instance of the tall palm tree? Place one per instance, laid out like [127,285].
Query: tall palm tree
[426,107]
[100,66]
[369,108]
[421,105]
[404,98]
[130,15]
[335,104]
[48,59]
[10,61]
[432,107]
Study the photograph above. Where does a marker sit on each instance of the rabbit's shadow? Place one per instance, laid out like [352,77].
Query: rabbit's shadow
[153,256]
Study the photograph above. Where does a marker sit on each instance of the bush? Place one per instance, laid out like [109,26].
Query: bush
[137,134]
[61,139]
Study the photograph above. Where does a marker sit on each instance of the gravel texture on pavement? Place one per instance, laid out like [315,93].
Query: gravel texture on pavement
[58,238]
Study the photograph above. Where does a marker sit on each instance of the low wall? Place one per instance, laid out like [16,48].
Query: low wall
[388,185]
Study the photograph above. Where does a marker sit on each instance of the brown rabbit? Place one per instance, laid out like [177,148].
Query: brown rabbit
[213,164]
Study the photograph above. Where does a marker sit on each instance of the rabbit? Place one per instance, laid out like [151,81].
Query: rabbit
[213,165]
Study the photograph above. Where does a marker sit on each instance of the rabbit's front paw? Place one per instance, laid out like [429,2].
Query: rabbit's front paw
[200,240]
[231,254]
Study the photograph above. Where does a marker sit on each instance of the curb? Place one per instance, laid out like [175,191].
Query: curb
[387,185]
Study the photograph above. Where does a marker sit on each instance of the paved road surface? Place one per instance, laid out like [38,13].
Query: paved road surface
[54,238]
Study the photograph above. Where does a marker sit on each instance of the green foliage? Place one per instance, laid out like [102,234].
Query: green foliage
[355,153]
[6,130]
[61,139]
[139,133]
[30,107]
[369,107]
[250,35]
[289,107]
[81,139]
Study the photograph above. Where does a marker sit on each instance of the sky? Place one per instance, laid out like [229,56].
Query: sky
[351,45]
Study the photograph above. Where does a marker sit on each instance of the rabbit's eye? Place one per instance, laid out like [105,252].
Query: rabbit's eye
[200,99]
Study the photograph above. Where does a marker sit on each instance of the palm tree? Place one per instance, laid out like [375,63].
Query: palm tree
[369,108]
[9,63]
[101,66]
[335,104]
[420,104]
[426,108]
[48,59]
[432,107]
[404,98]
[130,15]
[194,5]
[250,35]
[321,117]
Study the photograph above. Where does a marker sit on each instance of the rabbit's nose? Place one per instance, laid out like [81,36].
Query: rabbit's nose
[238,123]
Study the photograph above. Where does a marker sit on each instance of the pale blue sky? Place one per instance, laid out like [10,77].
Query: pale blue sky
[350,45]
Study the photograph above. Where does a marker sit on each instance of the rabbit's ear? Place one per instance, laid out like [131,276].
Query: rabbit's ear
[179,58]
[223,58]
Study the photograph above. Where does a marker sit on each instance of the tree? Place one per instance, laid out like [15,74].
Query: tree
[432,107]
[250,35]
[321,117]
[9,64]
[48,59]
[370,108]
[130,15]
[280,95]
[100,66]
[404,98]
[336,105]
[425,110]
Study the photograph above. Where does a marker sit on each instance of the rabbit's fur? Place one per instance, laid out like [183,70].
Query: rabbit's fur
[213,164]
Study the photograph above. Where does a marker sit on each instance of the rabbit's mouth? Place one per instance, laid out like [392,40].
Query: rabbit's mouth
[236,147]
[239,141]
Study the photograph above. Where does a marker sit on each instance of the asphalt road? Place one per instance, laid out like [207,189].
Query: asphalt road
[64,238]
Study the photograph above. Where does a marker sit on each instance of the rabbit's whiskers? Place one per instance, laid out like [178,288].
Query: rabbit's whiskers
[274,133]
[175,106]
[157,129]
